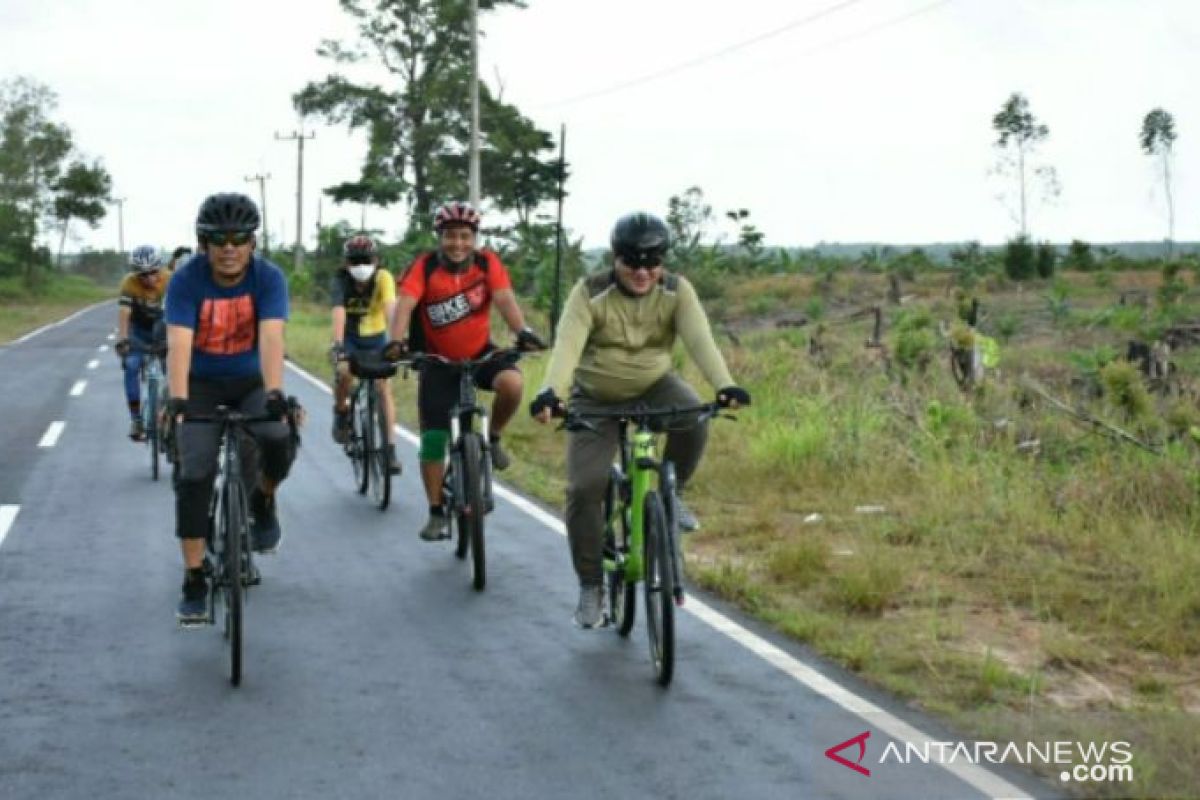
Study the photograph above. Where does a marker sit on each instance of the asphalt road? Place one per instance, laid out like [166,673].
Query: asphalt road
[372,668]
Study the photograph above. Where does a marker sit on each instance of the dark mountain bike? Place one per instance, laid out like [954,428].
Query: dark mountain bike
[232,570]
[467,487]
[641,527]
[368,444]
[154,394]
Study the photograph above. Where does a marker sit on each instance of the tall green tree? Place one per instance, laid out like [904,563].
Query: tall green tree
[1019,134]
[40,181]
[1158,141]
[689,217]
[82,193]
[418,125]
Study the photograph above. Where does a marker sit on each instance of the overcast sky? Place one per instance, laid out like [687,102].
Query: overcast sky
[852,127]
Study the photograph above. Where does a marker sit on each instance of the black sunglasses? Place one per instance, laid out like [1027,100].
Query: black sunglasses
[237,238]
[642,267]
[359,259]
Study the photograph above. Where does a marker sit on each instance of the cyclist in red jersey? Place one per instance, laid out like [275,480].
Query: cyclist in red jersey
[452,290]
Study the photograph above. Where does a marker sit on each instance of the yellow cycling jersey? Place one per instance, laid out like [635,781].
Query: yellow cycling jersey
[365,304]
[145,302]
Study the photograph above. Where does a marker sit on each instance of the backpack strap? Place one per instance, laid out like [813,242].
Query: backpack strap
[599,282]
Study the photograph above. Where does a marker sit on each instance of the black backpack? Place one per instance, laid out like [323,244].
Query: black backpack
[429,262]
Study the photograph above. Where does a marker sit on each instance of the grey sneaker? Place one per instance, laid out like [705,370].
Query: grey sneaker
[436,529]
[193,608]
[500,459]
[137,431]
[590,611]
[687,520]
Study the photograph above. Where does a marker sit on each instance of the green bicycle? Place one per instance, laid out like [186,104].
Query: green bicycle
[641,527]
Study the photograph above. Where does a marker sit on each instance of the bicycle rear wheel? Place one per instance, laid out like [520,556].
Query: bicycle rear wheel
[472,506]
[659,589]
[235,522]
[381,476]
[622,595]
[357,447]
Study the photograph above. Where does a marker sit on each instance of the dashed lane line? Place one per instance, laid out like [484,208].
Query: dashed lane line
[8,515]
[50,437]
[95,362]
[78,388]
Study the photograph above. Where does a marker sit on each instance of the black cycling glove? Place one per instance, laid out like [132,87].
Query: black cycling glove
[277,404]
[395,350]
[528,341]
[121,348]
[546,399]
[176,406]
[731,393]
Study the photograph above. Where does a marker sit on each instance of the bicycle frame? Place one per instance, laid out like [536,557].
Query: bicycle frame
[639,471]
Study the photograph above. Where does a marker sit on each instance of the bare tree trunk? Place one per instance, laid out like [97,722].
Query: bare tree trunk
[1021,173]
[1166,159]
[62,241]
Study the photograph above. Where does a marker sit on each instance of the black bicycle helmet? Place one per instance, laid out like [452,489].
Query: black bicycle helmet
[640,239]
[360,246]
[227,212]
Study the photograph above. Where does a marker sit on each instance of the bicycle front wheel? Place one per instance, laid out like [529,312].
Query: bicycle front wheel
[235,542]
[381,476]
[472,506]
[622,594]
[357,447]
[151,426]
[659,589]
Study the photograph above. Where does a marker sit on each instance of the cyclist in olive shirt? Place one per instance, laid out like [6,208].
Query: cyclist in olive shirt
[614,348]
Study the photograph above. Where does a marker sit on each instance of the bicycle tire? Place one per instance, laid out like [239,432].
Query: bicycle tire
[381,476]
[151,425]
[657,583]
[358,445]
[235,540]
[622,596]
[472,506]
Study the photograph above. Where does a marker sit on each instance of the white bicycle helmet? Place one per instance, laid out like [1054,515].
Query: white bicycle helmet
[145,258]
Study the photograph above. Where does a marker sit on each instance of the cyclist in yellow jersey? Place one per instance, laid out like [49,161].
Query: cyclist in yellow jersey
[364,300]
[139,322]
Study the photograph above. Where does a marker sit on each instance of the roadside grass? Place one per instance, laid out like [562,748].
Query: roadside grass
[980,555]
[22,311]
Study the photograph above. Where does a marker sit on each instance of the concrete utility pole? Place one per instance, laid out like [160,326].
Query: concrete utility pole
[262,201]
[299,137]
[473,168]
[120,203]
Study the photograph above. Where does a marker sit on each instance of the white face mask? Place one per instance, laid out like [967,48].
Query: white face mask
[362,272]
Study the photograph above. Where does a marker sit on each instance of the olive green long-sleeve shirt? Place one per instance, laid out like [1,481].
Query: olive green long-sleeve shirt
[614,346]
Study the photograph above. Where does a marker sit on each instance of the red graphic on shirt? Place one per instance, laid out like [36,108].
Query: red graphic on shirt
[227,326]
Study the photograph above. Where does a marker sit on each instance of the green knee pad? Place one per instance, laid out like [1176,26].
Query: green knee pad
[433,445]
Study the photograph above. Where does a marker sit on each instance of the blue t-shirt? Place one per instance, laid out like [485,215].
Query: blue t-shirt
[224,319]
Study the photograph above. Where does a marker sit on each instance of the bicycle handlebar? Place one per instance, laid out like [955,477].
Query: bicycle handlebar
[578,420]
[417,359]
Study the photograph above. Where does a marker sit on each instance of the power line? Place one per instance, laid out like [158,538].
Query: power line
[653,76]
[892,22]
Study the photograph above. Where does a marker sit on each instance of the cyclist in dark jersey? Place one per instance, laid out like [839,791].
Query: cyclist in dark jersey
[226,312]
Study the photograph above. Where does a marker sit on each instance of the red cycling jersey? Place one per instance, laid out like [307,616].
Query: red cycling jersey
[454,307]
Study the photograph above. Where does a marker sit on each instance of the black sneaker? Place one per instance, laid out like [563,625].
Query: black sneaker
[394,466]
[500,459]
[265,533]
[137,431]
[193,608]
[341,426]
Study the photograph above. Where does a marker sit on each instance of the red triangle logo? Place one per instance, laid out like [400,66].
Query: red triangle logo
[861,741]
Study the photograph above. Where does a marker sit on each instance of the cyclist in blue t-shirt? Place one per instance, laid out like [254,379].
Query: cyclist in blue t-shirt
[226,311]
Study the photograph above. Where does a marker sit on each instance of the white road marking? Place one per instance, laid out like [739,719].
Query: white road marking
[8,515]
[991,785]
[62,321]
[103,348]
[78,388]
[50,437]
[95,362]
[112,336]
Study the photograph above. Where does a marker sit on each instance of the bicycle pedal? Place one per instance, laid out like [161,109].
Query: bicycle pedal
[190,622]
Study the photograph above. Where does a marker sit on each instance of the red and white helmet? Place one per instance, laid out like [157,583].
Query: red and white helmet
[456,213]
